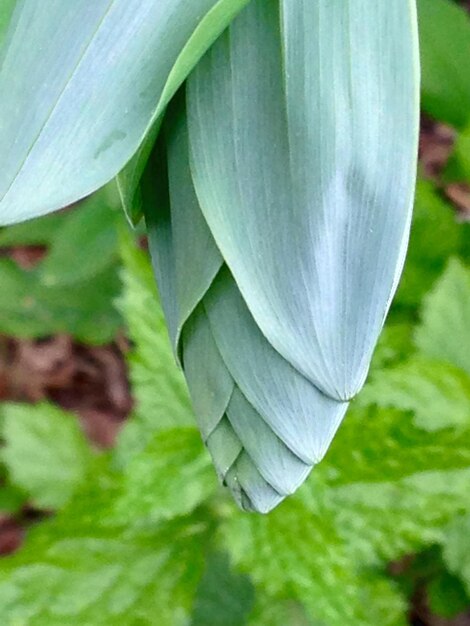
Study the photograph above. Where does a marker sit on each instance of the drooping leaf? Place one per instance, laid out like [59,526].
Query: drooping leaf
[92,76]
[303,152]
[445,49]
[45,452]
[264,423]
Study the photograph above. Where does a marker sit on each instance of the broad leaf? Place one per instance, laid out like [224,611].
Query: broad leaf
[45,452]
[81,85]
[86,571]
[171,477]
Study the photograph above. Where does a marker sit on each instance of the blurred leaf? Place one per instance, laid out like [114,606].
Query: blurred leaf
[269,613]
[171,477]
[447,596]
[30,309]
[84,246]
[458,166]
[159,387]
[45,452]
[438,393]
[40,231]
[394,345]
[12,498]
[223,596]
[435,234]
[457,550]
[444,332]
[445,50]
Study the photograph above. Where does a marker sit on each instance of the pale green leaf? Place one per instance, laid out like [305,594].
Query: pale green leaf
[241,397]
[171,477]
[303,144]
[437,393]
[444,332]
[94,77]
[83,571]
[45,452]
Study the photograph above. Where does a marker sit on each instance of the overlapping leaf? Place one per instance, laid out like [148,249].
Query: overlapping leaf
[81,86]
[264,423]
[303,155]
[278,247]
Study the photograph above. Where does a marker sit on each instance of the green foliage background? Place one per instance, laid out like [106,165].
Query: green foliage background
[145,535]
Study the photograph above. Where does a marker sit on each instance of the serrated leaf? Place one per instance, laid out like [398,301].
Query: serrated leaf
[171,477]
[292,161]
[45,452]
[437,393]
[311,564]
[95,77]
[159,387]
[385,489]
[88,572]
[444,332]
[394,346]
[445,48]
